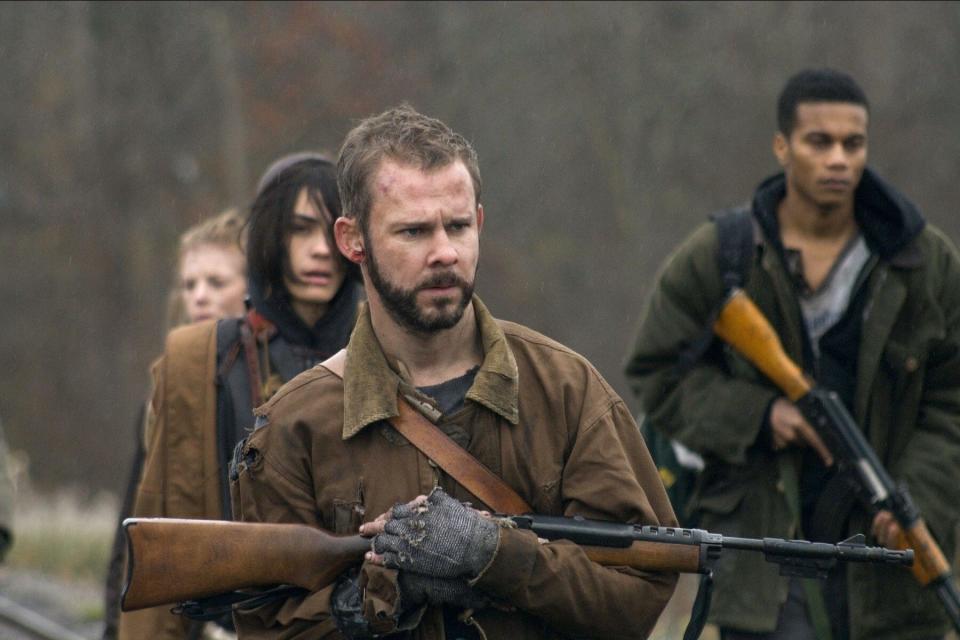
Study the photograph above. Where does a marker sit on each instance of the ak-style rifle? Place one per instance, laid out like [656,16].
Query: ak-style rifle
[172,560]
[743,326]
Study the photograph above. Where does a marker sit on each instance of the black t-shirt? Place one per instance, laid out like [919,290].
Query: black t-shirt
[450,396]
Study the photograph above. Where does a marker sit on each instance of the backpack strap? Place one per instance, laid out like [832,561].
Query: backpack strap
[251,356]
[472,474]
[735,250]
[734,245]
[228,344]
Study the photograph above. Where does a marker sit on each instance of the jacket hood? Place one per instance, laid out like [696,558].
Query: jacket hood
[328,334]
[888,220]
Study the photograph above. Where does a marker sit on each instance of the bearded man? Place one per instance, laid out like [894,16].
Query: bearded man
[538,415]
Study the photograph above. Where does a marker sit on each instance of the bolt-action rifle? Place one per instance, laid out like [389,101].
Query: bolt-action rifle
[742,325]
[173,560]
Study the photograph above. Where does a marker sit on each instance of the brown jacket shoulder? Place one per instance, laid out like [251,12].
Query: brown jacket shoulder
[181,477]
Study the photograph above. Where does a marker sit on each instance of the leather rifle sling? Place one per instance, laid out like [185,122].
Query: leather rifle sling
[472,474]
[251,354]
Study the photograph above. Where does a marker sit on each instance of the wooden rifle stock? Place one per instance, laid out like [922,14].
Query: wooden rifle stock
[171,560]
[743,326]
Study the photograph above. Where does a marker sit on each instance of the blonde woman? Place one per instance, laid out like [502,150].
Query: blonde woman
[210,282]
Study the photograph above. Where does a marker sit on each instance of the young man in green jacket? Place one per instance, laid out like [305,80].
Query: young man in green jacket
[866,297]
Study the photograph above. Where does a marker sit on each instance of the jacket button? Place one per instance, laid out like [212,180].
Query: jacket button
[780,487]
[911,364]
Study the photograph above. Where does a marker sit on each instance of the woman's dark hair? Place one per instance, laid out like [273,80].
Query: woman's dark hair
[271,217]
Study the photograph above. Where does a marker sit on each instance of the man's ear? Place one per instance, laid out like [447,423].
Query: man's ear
[349,239]
[781,148]
[479,217]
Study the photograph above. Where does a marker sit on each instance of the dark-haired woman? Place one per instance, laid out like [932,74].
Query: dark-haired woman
[303,302]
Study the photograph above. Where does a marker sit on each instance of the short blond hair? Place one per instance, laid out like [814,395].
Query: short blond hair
[226,229]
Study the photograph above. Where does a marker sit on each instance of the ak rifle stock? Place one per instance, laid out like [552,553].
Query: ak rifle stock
[172,560]
[743,326]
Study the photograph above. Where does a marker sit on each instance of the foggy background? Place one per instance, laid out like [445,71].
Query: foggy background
[606,132]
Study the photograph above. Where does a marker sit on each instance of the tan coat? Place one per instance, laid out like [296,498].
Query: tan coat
[181,474]
[538,415]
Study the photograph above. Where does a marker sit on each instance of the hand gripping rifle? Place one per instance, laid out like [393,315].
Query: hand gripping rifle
[190,561]
[742,325]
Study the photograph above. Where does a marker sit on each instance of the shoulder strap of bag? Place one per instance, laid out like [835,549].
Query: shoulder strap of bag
[472,474]
[735,252]
[452,458]
[251,354]
[735,245]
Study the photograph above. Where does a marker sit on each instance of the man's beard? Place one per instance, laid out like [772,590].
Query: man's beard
[402,305]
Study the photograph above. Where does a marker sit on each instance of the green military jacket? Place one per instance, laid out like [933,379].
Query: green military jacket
[907,398]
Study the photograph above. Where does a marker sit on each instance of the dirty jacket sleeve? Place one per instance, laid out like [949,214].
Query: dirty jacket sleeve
[702,406]
[266,490]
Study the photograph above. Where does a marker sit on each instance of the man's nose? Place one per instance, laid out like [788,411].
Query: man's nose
[837,156]
[443,250]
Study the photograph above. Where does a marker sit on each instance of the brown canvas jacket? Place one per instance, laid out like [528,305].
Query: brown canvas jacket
[540,416]
[181,473]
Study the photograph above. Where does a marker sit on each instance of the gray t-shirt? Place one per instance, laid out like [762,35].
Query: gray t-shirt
[823,308]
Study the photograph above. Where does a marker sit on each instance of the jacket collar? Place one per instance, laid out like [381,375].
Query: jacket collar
[371,384]
[329,333]
[888,220]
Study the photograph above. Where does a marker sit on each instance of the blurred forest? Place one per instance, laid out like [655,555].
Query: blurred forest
[606,132]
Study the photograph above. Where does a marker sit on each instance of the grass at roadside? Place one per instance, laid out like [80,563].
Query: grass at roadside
[63,535]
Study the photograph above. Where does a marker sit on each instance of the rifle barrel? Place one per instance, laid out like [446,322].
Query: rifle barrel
[617,535]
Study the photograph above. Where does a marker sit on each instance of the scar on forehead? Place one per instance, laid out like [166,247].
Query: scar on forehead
[384,182]
[386,177]
[392,179]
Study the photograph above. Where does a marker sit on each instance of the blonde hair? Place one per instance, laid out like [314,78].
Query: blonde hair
[226,229]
